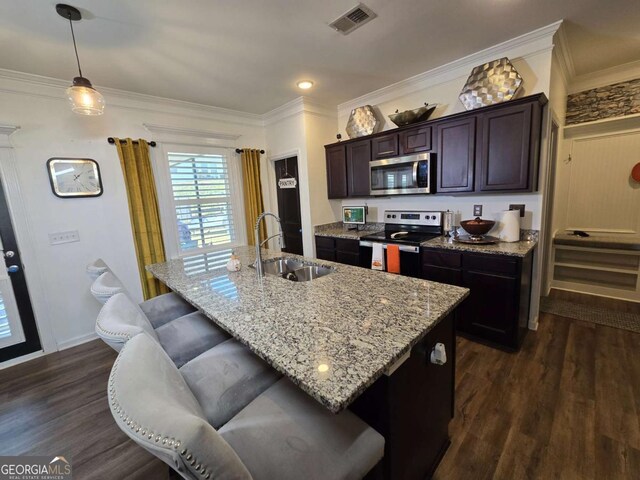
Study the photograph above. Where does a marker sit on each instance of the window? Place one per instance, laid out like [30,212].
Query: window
[205,208]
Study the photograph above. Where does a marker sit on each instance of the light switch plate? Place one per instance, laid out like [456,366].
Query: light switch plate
[64,237]
[477,210]
[518,206]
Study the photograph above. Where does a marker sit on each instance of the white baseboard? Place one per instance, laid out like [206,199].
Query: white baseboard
[61,346]
[74,342]
[22,359]
[533,324]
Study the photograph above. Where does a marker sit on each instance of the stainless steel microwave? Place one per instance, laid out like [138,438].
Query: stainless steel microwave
[402,175]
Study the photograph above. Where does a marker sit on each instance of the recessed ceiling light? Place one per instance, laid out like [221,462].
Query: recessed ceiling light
[305,84]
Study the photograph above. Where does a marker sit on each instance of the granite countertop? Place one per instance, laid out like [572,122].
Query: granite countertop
[338,230]
[615,242]
[333,336]
[514,249]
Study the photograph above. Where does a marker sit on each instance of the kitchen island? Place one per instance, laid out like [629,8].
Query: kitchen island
[354,338]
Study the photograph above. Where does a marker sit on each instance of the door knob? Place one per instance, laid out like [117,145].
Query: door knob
[9,254]
[13,268]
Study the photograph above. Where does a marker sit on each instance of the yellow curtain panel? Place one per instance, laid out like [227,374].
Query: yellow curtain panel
[143,210]
[253,203]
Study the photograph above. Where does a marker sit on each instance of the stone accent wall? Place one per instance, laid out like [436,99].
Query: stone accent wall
[614,100]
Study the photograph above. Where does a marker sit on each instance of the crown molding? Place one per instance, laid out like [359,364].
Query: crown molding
[53,88]
[529,44]
[607,76]
[8,129]
[562,52]
[296,107]
[293,107]
[5,133]
[169,130]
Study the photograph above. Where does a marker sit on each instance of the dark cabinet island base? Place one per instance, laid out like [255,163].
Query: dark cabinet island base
[412,408]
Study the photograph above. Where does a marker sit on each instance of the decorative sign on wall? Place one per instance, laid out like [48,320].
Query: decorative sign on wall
[290,182]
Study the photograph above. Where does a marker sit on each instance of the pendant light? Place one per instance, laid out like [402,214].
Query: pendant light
[85,100]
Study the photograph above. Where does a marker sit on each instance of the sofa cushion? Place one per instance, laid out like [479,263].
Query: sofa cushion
[153,405]
[188,336]
[164,308]
[285,434]
[121,319]
[227,378]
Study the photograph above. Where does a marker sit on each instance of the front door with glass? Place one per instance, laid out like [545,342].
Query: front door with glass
[18,331]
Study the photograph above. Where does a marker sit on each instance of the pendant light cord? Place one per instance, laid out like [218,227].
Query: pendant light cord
[74,44]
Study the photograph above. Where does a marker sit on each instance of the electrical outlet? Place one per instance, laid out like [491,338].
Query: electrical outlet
[477,210]
[64,237]
[518,206]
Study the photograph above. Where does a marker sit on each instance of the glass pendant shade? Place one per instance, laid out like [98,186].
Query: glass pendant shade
[84,99]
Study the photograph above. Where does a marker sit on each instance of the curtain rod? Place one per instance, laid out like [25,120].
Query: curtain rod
[240,150]
[112,141]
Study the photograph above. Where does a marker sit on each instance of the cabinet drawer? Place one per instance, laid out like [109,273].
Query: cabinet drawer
[324,254]
[385,146]
[491,264]
[347,246]
[450,276]
[348,258]
[327,243]
[415,140]
[441,258]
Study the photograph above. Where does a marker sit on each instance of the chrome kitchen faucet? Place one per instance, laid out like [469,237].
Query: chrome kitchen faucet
[259,263]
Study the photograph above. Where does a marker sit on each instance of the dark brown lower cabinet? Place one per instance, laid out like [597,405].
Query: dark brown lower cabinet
[341,250]
[497,309]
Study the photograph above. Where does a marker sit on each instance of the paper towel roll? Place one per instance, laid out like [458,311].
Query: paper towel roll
[509,226]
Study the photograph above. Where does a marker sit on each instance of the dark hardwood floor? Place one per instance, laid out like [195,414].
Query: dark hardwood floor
[565,407]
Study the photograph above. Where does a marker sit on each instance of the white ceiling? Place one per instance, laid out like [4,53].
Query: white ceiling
[248,54]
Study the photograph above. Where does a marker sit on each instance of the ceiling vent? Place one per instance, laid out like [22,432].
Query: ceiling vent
[354,18]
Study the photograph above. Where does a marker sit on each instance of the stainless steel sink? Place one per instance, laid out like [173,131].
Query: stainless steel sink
[294,269]
[308,272]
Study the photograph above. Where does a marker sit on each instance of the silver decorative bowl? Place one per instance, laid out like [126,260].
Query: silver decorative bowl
[412,116]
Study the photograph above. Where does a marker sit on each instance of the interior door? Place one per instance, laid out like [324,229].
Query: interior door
[18,332]
[289,204]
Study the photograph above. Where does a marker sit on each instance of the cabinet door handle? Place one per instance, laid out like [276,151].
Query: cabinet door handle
[438,354]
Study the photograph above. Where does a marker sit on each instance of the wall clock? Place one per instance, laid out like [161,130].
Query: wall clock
[74,177]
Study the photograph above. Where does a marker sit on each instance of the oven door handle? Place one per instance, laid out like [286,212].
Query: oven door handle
[403,248]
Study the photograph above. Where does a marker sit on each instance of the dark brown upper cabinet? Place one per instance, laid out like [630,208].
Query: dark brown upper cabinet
[336,171]
[384,146]
[456,155]
[509,149]
[358,158]
[415,140]
[489,150]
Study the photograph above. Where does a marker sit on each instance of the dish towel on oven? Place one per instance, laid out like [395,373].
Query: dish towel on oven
[393,259]
[377,256]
